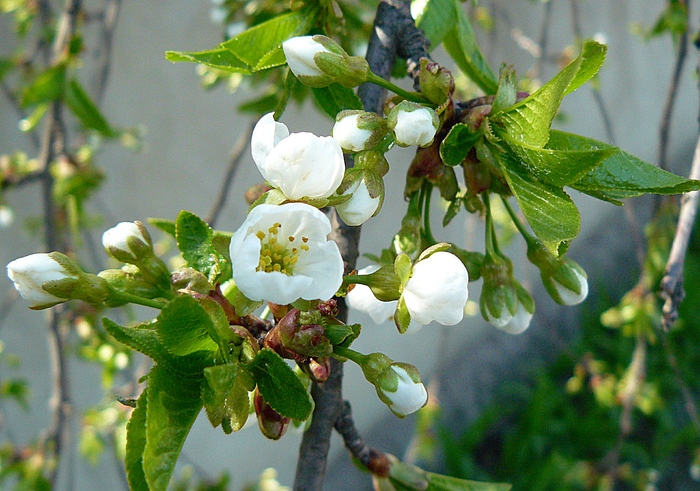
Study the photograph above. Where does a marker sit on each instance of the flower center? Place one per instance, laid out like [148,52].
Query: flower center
[278,255]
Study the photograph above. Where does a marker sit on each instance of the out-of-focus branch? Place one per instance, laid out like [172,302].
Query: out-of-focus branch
[236,154]
[109,23]
[52,144]
[672,94]
[672,282]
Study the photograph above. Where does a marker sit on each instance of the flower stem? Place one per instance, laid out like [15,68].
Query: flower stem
[427,193]
[350,354]
[409,96]
[518,224]
[135,299]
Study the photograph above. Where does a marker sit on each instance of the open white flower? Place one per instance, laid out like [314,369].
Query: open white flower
[29,273]
[281,253]
[361,298]
[299,164]
[410,394]
[437,290]
[360,207]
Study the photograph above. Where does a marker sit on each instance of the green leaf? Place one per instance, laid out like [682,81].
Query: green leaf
[280,388]
[551,213]
[460,43]
[528,121]
[6,66]
[225,397]
[194,239]
[173,405]
[167,226]
[452,211]
[86,111]
[621,175]
[219,58]
[335,98]
[439,482]
[457,144]
[255,45]
[437,20]
[144,339]
[558,167]
[135,445]
[260,105]
[242,304]
[46,87]
[184,326]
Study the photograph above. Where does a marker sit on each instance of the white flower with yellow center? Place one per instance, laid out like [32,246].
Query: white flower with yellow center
[301,165]
[281,254]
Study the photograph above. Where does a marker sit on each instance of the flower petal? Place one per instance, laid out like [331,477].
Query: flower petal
[266,135]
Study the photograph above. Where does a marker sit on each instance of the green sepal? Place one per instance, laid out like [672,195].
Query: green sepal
[280,387]
[136,444]
[457,144]
[507,93]
[402,318]
[272,197]
[184,327]
[241,304]
[342,334]
[403,268]
[174,402]
[194,239]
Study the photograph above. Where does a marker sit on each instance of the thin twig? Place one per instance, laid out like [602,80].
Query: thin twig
[374,460]
[14,102]
[672,94]
[597,96]
[672,282]
[236,154]
[109,23]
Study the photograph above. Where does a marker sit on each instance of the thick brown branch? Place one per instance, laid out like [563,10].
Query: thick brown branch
[374,460]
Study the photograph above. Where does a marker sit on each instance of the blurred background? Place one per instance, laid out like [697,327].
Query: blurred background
[187,137]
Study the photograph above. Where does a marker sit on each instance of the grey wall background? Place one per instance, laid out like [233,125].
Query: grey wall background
[189,136]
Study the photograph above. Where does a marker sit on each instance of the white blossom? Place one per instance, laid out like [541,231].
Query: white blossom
[7,216]
[118,237]
[300,52]
[570,297]
[281,253]
[413,124]
[410,394]
[437,290]
[299,164]
[360,207]
[349,135]
[361,298]
[29,273]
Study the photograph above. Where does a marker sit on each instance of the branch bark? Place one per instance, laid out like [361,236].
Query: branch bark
[394,33]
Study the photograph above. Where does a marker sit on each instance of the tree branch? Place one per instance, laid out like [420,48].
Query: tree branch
[236,155]
[672,282]
[392,25]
